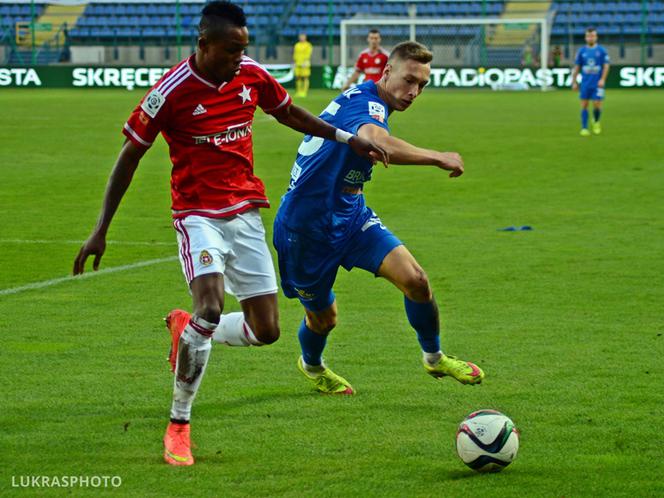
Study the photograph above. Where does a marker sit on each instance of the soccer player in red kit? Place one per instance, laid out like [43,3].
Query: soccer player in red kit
[371,61]
[204,108]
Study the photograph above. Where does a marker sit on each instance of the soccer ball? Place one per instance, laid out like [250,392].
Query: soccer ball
[487,441]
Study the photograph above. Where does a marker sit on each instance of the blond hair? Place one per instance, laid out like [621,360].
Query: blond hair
[411,50]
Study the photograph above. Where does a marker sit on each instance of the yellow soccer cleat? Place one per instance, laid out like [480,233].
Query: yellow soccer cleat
[597,128]
[177,446]
[326,381]
[585,132]
[463,371]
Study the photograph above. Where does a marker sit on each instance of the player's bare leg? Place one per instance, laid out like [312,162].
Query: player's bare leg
[193,349]
[262,315]
[401,268]
[313,333]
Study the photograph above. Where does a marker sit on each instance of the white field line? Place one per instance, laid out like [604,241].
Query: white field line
[105,271]
[111,242]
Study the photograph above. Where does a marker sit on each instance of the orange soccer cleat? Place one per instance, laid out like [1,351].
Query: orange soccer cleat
[177,446]
[176,321]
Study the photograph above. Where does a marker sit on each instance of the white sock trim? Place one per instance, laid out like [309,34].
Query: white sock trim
[202,326]
[233,330]
[249,334]
[432,359]
[314,369]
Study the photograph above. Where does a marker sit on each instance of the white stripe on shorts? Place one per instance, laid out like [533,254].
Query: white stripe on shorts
[185,250]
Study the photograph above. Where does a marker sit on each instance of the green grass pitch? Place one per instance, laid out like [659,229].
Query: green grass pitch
[567,320]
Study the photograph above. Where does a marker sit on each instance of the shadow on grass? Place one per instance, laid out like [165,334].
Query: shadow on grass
[253,400]
[463,474]
[460,474]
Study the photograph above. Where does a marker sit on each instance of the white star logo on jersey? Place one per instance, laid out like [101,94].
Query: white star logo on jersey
[199,110]
[245,94]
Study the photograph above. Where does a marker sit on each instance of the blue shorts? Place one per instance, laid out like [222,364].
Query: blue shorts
[591,93]
[309,267]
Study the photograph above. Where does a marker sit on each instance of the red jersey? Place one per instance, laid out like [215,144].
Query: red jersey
[208,130]
[372,65]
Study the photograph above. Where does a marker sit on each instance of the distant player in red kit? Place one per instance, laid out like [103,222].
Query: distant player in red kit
[371,61]
[204,108]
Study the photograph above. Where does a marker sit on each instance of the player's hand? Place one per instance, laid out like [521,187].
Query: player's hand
[96,244]
[452,162]
[600,83]
[575,86]
[365,148]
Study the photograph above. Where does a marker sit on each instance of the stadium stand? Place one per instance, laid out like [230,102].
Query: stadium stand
[611,18]
[279,21]
[131,21]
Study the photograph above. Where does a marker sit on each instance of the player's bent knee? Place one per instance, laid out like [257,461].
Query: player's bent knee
[209,312]
[265,327]
[322,324]
[417,286]
[326,327]
[267,333]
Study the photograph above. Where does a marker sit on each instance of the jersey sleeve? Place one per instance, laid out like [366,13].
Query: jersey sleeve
[364,110]
[147,119]
[605,54]
[272,96]
[579,58]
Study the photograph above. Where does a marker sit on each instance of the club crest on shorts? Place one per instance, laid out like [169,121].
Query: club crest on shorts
[206,258]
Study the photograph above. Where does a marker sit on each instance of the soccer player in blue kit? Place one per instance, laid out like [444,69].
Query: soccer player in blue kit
[323,222]
[593,63]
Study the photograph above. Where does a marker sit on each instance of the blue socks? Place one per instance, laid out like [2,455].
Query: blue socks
[423,317]
[312,345]
[584,118]
[596,114]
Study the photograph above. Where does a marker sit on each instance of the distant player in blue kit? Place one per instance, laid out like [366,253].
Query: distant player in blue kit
[593,63]
[323,222]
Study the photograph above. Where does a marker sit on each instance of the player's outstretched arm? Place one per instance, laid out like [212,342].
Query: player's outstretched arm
[402,152]
[117,185]
[303,121]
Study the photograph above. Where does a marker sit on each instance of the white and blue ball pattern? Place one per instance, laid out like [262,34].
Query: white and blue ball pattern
[487,441]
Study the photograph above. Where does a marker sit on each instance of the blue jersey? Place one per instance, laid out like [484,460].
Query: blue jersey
[319,202]
[591,60]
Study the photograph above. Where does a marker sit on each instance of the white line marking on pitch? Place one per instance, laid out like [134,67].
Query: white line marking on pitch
[111,242]
[105,271]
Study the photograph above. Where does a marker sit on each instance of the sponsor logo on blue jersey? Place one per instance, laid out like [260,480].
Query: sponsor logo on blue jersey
[317,200]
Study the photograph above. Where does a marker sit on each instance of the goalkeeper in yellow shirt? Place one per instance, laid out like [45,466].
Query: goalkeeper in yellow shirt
[302,58]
